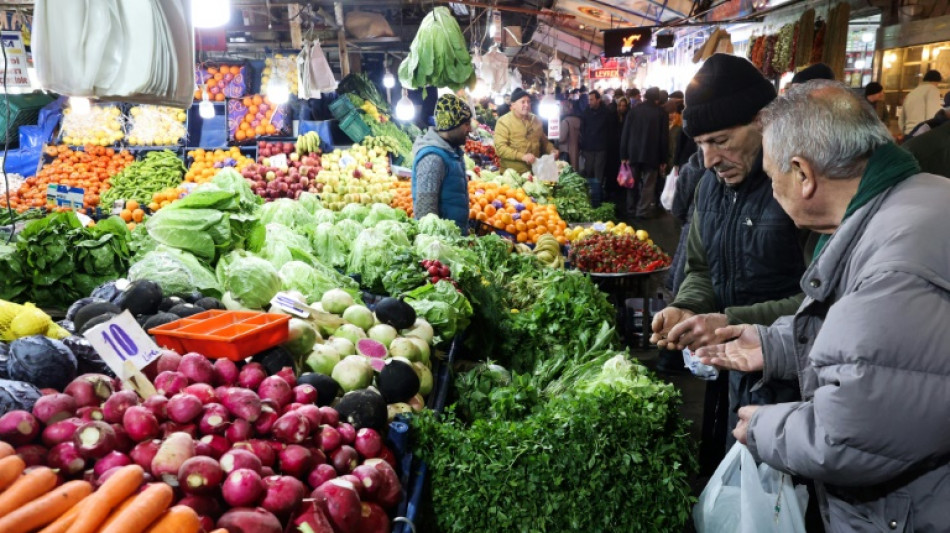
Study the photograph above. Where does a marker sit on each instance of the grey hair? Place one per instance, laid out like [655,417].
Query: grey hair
[825,123]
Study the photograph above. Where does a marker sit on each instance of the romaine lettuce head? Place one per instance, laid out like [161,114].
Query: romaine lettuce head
[330,245]
[282,244]
[357,212]
[252,281]
[287,212]
[380,212]
[325,215]
[431,224]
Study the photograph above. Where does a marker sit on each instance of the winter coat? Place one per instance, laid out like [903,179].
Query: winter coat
[570,137]
[919,105]
[594,128]
[515,137]
[932,150]
[869,349]
[645,140]
[448,179]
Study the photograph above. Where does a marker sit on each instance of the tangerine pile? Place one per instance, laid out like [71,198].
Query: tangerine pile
[402,197]
[513,211]
[132,214]
[257,120]
[165,198]
[205,164]
[89,169]
[218,79]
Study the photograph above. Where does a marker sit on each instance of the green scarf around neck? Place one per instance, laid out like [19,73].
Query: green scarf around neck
[888,165]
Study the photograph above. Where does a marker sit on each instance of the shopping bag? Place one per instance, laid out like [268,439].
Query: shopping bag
[745,498]
[545,169]
[625,177]
[669,190]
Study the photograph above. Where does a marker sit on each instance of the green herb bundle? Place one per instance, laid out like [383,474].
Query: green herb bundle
[438,56]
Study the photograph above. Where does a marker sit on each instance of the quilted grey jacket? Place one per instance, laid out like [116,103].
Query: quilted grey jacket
[870,347]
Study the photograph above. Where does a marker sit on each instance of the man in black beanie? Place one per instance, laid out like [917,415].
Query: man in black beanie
[744,255]
[818,71]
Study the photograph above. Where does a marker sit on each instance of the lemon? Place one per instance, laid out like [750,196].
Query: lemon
[642,235]
[610,225]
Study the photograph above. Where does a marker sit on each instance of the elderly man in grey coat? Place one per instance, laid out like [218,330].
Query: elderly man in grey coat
[869,344]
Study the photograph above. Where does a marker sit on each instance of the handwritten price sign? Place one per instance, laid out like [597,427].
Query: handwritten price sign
[126,348]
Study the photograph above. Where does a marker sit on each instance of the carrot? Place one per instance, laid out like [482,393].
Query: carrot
[117,511]
[61,525]
[46,508]
[113,492]
[6,449]
[219,530]
[147,506]
[26,489]
[11,467]
[178,519]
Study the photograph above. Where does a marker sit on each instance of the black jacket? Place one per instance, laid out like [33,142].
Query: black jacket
[594,128]
[685,148]
[932,150]
[645,140]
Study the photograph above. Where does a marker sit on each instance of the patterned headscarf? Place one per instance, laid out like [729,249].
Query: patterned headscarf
[451,112]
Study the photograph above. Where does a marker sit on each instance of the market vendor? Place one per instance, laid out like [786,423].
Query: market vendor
[439,184]
[519,135]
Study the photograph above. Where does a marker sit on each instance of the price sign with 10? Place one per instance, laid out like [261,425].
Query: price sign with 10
[125,347]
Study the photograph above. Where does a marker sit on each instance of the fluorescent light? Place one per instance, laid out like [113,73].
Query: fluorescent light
[405,109]
[389,81]
[210,13]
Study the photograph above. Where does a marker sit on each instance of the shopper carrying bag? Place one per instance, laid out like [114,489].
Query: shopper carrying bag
[625,177]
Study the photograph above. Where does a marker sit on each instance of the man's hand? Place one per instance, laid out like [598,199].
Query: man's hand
[742,428]
[664,321]
[698,331]
[556,154]
[743,354]
[529,158]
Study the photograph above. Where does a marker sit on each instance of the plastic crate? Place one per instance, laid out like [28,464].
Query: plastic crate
[234,335]
[354,127]
[342,107]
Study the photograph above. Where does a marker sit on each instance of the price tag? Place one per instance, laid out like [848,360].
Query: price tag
[278,161]
[291,305]
[126,348]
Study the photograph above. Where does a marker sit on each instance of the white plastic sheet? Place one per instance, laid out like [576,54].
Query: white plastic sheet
[494,70]
[545,169]
[315,75]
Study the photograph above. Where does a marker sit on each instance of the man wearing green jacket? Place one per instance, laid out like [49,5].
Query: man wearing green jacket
[519,136]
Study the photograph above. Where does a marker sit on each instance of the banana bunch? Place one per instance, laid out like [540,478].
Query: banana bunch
[308,143]
[370,110]
[383,142]
[24,320]
[548,251]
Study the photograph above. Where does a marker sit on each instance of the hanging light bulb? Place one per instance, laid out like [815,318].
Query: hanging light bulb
[79,105]
[405,109]
[499,99]
[210,13]
[389,81]
[205,108]
[549,108]
[867,36]
[278,92]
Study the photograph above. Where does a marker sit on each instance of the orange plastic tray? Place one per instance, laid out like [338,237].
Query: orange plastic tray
[218,334]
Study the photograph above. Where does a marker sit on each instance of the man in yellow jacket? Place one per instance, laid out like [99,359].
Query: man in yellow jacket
[519,135]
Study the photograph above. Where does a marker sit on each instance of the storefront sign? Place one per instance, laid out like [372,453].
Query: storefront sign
[16,75]
[606,73]
[626,42]
[554,127]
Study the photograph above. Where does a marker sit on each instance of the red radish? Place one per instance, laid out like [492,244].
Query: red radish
[243,403]
[203,505]
[275,388]
[320,475]
[330,439]
[158,405]
[347,433]
[292,428]
[330,416]
[19,427]
[264,450]
[344,459]
[319,457]
[90,414]
[311,413]
[295,460]
[342,503]
[267,471]
[238,430]
[66,457]
[368,443]
[265,422]
[390,491]
[356,484]
[202,391]
[48,391]
[370,479]
[168,361]
[33,454]
[387,455]
[90,389]
[243,487]
[167,428]
[291,407]
[115,406]
[373,519]
[200,475]
[110,461]
[238,459]
[140,423]
[305,394]
[282,494]
[287,374]
[221,392]
[123,442]
[144,453]
[94,439]
[170,383]
[251,376]
[245,520]
[312,516]
[52,408]
[205,522]
[177,448]
[214,419]
[196,368]
[213,446]
[225,372]
[184,408]
[61,431]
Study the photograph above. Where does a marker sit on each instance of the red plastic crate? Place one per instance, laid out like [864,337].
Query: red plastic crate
[218,334]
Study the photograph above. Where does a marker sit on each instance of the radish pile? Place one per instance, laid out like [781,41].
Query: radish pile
[238,446]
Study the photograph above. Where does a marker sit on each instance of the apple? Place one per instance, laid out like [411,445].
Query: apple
[294,156]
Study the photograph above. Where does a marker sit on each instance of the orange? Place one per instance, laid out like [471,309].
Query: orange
[526,215]
[510,228]
[219,97]
[125,215]
[138,215]
[520,226]
[131,205]
[235,70]
[257,100]
[522,236]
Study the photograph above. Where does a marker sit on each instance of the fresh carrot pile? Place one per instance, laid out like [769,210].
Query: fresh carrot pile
[89,169]
[33,500]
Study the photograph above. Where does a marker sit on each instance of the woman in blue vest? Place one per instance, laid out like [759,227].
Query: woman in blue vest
[439,184]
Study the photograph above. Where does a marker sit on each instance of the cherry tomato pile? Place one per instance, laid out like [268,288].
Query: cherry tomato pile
[438,272]
[614,254]
[486,151]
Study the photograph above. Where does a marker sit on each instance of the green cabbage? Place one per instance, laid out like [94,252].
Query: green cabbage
[290,213]
[357,212]
[349,228]
[282,244]
[329,245]
[310,202]
[325,215]
[176,271]
[372,255]
[380,212]
[313,282]
[431,224]
[252,281]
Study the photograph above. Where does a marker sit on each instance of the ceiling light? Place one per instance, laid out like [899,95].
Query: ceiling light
[389,81]
[405,109]
[548,107]
[867,36]
[278,92]
[210,13]
[499,99]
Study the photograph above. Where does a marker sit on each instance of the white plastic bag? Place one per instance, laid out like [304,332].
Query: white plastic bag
[321,75]
[494,70]
[669,190]
[741,497]
[697,368]
[545,169]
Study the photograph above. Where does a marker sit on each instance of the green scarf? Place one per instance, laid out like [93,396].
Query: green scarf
[888,165]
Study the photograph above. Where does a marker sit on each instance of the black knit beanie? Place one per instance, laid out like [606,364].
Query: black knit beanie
[727,91]
[818,71]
